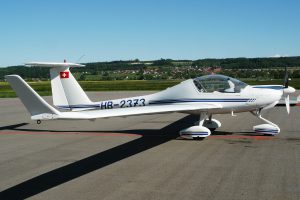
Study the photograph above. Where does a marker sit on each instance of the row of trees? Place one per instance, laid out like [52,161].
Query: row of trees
[186,74]
[174,69]
[250,63]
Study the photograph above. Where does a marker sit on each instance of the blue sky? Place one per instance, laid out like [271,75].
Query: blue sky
[105,30]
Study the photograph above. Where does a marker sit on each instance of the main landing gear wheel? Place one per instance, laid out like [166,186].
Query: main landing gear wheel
[196,132]
[211,124]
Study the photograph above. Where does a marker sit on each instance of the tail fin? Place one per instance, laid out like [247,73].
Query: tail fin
[36,105]
[66,91]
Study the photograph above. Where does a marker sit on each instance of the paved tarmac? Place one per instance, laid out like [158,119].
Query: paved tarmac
[142,157]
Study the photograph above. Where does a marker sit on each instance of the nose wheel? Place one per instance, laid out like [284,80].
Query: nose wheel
[38,121]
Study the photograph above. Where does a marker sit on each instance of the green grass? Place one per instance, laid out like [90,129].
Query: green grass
[44,87]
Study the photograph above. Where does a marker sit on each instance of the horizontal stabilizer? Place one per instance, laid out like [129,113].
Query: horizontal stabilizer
[53,64]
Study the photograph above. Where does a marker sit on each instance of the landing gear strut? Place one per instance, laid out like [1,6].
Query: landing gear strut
[212,124]
[267,129]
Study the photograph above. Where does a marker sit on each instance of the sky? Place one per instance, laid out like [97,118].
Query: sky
[107,30]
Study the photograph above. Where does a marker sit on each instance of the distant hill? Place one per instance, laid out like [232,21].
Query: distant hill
[157,69]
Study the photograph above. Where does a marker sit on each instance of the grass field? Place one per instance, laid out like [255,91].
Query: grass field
[44,88]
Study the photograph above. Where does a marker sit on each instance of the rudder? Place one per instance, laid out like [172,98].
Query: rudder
[66,90]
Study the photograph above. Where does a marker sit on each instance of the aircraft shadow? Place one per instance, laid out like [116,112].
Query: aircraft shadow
[221,133]
[94,162]
[12,127]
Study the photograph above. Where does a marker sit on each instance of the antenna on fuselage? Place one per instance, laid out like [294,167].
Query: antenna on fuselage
[77,61]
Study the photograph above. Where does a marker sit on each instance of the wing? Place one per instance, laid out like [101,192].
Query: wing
[146,110]
[41,110]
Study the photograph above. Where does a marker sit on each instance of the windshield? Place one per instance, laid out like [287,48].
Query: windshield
[219,83]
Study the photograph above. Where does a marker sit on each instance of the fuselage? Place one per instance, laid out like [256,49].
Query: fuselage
[249,98]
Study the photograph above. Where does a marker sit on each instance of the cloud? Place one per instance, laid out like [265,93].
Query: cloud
[279,55]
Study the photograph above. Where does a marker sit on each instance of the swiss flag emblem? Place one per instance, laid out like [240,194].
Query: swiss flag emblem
[64,74]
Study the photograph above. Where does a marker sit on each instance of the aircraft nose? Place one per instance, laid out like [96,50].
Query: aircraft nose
[289,90]
[267,96]
[274,95]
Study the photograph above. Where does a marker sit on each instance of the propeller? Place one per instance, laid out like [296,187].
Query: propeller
[287,103]
[287,90]
[286,85]
[286,78]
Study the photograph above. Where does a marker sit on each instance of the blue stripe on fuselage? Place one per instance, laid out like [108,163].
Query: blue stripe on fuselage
[169,101]
[274,87]
[162,102]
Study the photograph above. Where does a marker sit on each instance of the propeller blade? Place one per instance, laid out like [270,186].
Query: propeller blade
[286,79]
[287,103]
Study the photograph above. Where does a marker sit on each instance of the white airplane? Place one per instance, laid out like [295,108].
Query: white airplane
[203,96]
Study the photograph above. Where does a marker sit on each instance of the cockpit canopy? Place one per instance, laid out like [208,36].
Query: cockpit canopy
[219,83]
